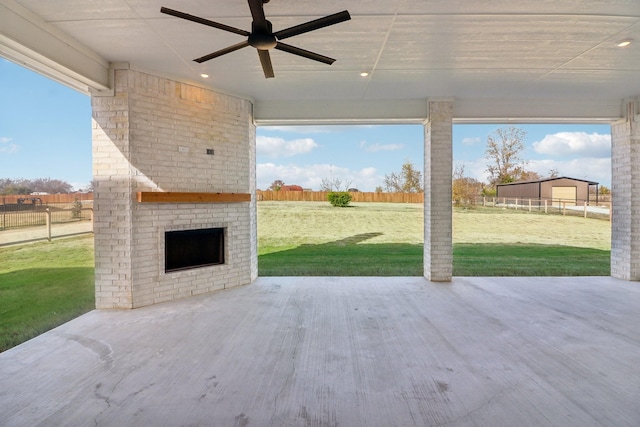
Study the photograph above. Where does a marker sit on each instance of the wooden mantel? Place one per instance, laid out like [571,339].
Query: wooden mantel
[182,197]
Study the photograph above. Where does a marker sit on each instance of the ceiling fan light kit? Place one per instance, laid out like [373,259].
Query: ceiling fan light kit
[262,37]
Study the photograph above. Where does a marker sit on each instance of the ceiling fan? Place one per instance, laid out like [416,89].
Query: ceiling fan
[262,36]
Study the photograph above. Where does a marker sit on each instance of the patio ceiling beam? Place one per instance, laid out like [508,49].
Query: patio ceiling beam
[409,111]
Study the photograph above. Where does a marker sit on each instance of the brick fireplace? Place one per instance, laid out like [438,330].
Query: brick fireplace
[155,136]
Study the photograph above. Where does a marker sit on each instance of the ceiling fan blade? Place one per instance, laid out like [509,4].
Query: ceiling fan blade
[313,25]
[265,60]
[222,52]
[257,13]
[203,21]
[305,53]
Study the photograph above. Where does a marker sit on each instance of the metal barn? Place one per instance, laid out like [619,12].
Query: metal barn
[570,191]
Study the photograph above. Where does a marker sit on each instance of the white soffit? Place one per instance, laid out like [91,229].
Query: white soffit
[526,60]
[34,44]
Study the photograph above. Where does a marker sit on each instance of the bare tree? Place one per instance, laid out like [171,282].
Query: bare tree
[408,180]
[334,184]
[51,186]
[89,188]
[28,186]
[464,189]
[528,176]
[504,150]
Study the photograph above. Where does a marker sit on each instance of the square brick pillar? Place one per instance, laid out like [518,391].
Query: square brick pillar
[625,189]
[438,211]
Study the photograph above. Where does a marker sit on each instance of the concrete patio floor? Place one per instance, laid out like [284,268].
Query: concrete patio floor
[300,351]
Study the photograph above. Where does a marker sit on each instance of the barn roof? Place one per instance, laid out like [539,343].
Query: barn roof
[549,179]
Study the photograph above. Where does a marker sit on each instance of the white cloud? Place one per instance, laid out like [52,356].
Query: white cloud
[476,169]
[564,144]
[6,146]
[311,176]
[274,147]
[590,168]
[78,186]
[297,129]
[471,141]
[374,148]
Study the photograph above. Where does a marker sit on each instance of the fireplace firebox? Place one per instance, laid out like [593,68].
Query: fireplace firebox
[187,249]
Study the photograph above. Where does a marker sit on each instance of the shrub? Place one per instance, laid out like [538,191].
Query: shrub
[76,209]
[340,199]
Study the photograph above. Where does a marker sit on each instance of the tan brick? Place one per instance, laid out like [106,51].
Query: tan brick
[136,136]
[438,163]
[625,180]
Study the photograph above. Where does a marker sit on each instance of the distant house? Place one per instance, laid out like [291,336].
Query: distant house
[556,190]
[291,188]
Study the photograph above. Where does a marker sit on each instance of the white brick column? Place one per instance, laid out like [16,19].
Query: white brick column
[253,210]
[155,134]
[438,163]
[625,186]
[112,199]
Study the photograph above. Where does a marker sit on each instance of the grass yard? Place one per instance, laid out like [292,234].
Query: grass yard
[317,239]
[43,285]
[385,239]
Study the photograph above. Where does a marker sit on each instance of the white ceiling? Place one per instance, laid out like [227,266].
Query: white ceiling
[524,60]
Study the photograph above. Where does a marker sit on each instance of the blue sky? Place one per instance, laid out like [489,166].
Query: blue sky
[45,128]
[45,132]
[363,155]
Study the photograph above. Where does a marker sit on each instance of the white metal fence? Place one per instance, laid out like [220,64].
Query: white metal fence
[565,207]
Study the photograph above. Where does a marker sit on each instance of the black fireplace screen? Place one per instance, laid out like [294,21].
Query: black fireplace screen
[193,248]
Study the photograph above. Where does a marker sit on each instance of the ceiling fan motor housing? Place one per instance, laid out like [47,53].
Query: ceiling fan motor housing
[262,37]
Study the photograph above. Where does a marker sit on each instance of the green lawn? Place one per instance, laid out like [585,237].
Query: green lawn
[43,285]
[314,238]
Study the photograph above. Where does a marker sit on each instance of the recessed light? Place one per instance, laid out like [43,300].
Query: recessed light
[364,74]
[624,43]
[204,75]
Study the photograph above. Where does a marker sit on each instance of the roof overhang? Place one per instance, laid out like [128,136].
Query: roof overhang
[525,62]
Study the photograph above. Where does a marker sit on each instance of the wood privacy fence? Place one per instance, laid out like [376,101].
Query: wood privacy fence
[321,196]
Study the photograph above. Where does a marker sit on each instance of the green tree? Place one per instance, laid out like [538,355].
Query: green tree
[408,180]
[340,199]
[16,189]
[76,209]
[276,185]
